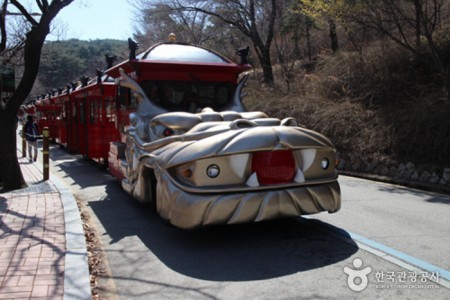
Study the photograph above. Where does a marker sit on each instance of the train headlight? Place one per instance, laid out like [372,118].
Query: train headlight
[213,171]
[325,163]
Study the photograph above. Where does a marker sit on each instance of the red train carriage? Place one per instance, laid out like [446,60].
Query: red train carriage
[48,114]
[71,118]
[91,118]
[78,133]
[26,109]
[59,100]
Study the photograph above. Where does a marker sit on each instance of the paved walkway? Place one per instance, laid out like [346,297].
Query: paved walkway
[42,247]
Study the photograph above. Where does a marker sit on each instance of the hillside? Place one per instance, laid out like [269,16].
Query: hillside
[65,61]
[381,108]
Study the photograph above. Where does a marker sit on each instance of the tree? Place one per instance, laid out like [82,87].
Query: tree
[329,11]
[411,24]
[63,62]
[30,45]
[293,29]
[159,18]
[298,26]
[254,19]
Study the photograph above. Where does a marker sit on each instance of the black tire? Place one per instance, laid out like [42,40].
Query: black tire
[150,188]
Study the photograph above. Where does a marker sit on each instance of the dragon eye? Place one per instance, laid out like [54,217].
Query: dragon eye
[325,163]
[168,132]
[213,171]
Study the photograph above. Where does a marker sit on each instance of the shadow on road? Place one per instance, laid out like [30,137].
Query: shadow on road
[244,252]
[430,197]
[254,251]
[427,196]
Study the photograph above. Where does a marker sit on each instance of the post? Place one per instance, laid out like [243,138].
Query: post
[45,152]
[24,142]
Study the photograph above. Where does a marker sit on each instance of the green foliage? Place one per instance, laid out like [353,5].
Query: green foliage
[65,61]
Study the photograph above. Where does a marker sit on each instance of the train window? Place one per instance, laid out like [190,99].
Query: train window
[93,113]
[100,116]
[223,95]
[124,98]
[74,112]
[110,115]
[188,96]
[151,90]
[63,110]
[81,113]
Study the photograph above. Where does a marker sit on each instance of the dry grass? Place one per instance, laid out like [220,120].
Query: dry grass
[382,105]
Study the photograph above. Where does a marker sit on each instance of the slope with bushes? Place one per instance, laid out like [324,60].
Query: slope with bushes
[382,105]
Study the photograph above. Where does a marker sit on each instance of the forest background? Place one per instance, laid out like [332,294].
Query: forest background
[373,76]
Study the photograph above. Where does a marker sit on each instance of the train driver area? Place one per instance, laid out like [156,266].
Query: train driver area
[188,96]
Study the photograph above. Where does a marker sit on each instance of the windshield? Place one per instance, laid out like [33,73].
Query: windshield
[189,96]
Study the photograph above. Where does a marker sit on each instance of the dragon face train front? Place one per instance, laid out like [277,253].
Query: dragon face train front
[193,151]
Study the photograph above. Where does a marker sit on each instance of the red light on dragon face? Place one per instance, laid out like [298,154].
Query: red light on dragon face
[168,132]
[274,167]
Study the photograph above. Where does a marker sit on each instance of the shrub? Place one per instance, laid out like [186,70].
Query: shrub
[383,104]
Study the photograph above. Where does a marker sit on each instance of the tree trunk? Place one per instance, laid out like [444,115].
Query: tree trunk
[9,166]
[418,10]
[266,64]
[333,36]
[308,39]
[11,174]
[10,171]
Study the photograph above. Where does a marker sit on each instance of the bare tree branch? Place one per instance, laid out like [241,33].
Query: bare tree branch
[24,12]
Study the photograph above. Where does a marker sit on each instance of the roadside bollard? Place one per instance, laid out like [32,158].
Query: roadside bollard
[45,152]
[24,142]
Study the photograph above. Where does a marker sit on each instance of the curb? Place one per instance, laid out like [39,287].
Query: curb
[76,271]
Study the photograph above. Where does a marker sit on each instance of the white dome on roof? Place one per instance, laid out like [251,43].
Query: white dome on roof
[182,53]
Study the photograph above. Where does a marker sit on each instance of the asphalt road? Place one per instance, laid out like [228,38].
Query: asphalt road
[369,249]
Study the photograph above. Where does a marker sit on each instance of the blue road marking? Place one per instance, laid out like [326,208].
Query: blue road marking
[403,256]
[385,249]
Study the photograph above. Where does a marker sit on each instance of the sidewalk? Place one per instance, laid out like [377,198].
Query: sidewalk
[42,245]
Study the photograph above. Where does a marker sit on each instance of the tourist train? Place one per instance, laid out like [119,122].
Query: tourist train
[169,123]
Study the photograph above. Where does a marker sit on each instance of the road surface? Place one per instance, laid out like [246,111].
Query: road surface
[386,242]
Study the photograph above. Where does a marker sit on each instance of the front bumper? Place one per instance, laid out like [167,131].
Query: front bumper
[188,210]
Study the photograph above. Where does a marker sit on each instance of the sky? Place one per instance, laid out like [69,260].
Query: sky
[96,19]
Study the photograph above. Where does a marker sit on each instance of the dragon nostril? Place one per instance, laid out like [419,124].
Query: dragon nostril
[242,123]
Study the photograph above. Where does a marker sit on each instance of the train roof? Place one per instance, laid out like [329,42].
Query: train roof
[170,52]
[180,54]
